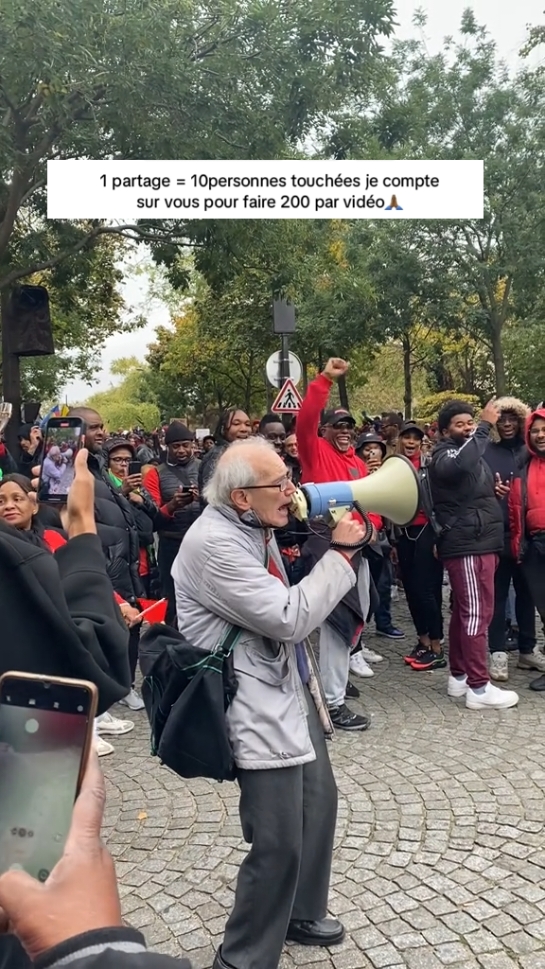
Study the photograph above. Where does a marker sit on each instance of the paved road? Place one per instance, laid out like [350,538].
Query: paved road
[440,857]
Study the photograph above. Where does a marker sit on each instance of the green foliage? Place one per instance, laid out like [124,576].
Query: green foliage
[463,104]
[166,79]
[429,407]
[127,404]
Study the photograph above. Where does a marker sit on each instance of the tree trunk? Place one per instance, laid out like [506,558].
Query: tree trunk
[497,355]
[343,392]
[407,378]
[305,376]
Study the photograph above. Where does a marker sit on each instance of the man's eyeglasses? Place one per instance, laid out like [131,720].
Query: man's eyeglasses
[507,419]
[120,460]
[279,485]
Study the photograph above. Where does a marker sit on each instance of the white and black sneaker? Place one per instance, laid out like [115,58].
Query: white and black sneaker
[343,718]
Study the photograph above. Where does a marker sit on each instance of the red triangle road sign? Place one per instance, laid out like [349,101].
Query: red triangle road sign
[288,400]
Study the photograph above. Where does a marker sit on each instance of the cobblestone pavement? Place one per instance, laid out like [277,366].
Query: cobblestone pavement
[440,854]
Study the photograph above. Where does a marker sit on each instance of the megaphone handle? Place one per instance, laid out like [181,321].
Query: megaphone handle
[366,538]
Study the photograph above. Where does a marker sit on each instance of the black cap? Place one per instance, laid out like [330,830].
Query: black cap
[338,416]
[409,427]
[116,443]
[370,438]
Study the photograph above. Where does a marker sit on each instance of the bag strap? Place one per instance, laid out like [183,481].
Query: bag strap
[226,646]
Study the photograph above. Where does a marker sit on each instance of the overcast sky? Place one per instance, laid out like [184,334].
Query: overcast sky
[506,21]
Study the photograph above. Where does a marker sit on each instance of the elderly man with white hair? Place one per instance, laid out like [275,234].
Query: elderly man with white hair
[229,572]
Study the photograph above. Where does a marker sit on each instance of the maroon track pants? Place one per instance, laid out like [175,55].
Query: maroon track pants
[472,582]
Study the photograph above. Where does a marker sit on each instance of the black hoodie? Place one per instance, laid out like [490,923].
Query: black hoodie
[59,616]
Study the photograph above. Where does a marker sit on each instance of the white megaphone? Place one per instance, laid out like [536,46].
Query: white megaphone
[393,492]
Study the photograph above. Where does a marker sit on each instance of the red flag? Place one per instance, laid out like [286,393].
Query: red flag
[155,609]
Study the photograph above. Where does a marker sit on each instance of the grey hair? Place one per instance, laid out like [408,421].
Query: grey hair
[234,470]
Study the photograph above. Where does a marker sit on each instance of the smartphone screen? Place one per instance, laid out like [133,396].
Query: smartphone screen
[135,467]
[62,439]
[45,733]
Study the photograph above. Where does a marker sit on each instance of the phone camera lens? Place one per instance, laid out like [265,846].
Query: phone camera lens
[43,875]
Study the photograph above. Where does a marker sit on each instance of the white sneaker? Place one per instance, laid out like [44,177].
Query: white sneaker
[108,724]
[102,747]
[359,666]
[499,667]
[532,661]
[369,655]
[456,688]
[492,699]
[394,594]
[133,701]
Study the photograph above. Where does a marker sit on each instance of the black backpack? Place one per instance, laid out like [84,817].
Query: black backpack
[186,692]
[426,501]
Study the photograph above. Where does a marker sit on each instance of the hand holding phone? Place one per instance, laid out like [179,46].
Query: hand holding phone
[63,440]
[81,894]
[46,731]
[80,508]
[130,483]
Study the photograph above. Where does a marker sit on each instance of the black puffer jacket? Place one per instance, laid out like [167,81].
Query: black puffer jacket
[464,499]
[208,466]
[118,532]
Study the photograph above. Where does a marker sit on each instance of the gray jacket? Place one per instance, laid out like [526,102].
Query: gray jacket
[221,579]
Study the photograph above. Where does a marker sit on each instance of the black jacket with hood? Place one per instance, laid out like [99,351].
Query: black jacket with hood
[118,531]
[59,615]
[505,457]
[464,498]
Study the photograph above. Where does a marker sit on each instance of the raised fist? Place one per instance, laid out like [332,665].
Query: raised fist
[335,368]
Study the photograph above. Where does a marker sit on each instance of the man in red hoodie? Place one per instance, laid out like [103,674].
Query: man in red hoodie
[527,521]
[332,457]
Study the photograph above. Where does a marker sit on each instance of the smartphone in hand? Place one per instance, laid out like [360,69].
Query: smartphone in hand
[46,732]
[63,437]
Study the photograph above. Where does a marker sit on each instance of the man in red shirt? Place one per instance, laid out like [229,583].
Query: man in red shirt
[332,457]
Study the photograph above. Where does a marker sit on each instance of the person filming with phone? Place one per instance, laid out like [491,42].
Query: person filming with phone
[58,612]
[173,486]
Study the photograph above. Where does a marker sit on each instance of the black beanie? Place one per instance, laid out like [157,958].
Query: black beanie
[178,432]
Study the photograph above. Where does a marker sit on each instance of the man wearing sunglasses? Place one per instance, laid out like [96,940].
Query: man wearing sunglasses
[331,457]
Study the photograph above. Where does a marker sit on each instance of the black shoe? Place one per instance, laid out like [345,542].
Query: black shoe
[429,661]
[538,684]
[511,639]
[418,650]
[344,719]
[219,962]
[325,932]
[390,633]
[351,691]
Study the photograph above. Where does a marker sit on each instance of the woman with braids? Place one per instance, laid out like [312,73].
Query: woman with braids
[233,425]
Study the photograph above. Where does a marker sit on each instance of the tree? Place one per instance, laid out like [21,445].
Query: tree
[462,103]
[163,79]
[127,404]
[213,357]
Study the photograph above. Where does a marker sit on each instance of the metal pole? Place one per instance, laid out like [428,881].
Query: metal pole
[285,372]
[284,357]
[11,374]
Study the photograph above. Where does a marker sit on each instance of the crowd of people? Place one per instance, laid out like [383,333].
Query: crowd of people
[200,523]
